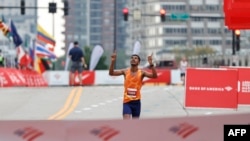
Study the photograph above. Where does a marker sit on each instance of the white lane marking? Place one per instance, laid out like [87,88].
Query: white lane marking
[86,109]
[208,113]
[94,105]
[115,99]
[78,111]
[102,103]
[109,101]
[99,104]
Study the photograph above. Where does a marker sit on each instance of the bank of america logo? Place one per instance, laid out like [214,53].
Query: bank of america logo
[228,88]
[183,130]
[28,134]
[105,133]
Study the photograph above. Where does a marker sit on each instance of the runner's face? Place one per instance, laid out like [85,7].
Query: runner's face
[134,61]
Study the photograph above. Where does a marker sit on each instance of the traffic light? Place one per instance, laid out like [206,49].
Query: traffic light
[125,14]
[237,39]
[22,7]
[163,15]
[52,7]
[66,8]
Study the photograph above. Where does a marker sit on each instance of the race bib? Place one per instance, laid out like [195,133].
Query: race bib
[132,92]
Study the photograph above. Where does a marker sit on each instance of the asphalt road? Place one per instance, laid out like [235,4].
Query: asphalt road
[95,103]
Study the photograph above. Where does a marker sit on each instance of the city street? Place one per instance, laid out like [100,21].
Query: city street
[96,103]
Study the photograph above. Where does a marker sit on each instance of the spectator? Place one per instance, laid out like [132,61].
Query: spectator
[183,67]
[133,78]
[1,59]
[78,61]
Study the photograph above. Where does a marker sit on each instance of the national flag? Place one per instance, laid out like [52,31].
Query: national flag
[44,36]
[29,133]
[4,27]
[105,133]
[184,129]
[42,51]
[17,41]
[41,65]
[71,45]
[16,37]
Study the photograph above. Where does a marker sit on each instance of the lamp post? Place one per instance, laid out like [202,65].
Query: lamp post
[114,48]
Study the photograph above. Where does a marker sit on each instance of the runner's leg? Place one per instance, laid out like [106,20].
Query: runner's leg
[127,111]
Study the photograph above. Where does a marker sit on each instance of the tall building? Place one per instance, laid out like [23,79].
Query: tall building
[91,22]
[25,24]
[204,27]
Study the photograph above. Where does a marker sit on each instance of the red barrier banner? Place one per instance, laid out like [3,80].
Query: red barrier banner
[28,77]
[34,79]
[88,78]
[244,86]
[4,79]
[164,76]
[11,77]
[237,14]
[215,88]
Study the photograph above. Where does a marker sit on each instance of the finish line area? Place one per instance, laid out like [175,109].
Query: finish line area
[77,113]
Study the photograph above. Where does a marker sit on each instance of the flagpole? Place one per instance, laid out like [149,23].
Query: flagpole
[34,54]
[11,55]
[53,34]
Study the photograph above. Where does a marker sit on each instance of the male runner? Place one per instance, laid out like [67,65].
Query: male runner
[132,84]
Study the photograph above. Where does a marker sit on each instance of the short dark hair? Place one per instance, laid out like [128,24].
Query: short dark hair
[75,43]
[137,56]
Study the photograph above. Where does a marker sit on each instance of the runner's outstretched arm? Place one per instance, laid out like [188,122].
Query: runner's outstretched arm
[113,72]
[153,74]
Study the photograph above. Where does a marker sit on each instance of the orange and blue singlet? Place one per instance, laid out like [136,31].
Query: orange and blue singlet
[132,95]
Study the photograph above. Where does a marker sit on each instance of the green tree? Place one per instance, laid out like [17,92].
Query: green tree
[59,63]
[192,52]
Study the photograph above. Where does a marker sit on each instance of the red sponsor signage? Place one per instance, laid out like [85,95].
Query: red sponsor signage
[215,88]
[244,86]
[164,76]
[237,14]
[4,79]
[88,78]
[11,77]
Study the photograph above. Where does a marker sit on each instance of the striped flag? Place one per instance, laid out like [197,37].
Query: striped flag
[183,130]
[105,133]
[29,133]
[5,28]
[42,51]
[44,36]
